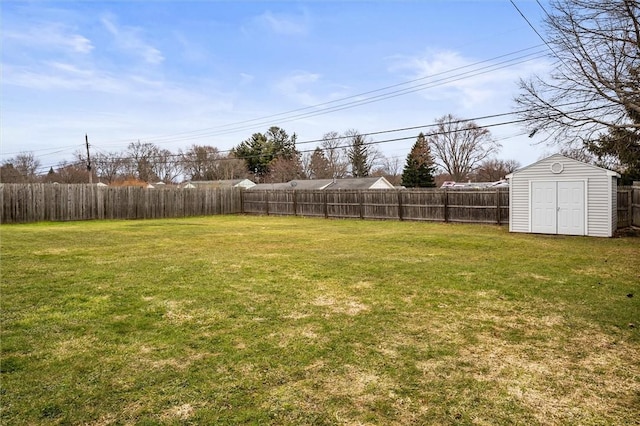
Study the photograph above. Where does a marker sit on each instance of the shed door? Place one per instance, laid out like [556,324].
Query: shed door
[571,208]
[543,207]
[557,207]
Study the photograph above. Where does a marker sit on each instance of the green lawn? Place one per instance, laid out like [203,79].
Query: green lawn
[291,321]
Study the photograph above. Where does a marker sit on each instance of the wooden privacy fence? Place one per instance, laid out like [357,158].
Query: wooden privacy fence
[22,203]
[474,206]
[628,205]
[48,202]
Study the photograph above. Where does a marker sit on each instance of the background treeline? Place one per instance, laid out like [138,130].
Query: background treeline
[273,156]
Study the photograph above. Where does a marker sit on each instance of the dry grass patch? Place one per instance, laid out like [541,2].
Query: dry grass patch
[563,373]
[348,306]
[178,412]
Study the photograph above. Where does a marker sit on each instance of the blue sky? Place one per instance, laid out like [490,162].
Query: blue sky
[178,73]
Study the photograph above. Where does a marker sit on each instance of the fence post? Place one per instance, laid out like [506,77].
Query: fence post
[498,207]
[446,205]
[635,208]
[266,202]
[630,206]
[325,198]
[400,213]
[361,201]
[295,204]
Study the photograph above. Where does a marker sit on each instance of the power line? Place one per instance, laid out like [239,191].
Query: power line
[358,103]
[375,142]
[340,104]
[317,109]
[536,31]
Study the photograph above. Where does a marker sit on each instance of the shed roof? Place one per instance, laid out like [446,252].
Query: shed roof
[565,158]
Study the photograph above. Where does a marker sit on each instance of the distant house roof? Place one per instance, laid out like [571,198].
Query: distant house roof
[311,183]
[474,185]
[282,185]
[362,183]
[347,183]
[224,183]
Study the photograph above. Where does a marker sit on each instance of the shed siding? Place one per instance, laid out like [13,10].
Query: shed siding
[614,205]
[600,211]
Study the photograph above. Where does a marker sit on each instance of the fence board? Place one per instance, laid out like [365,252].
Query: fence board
[635,205]
[625,206]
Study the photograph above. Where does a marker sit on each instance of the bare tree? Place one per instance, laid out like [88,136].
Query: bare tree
[459,146]
[22,168]
[594,90]
[492,170]
[141,157]
[108,166]
[9,174]
[390,168]
[200,162]
[334,147]
[284,169]
[166,166]
[582,153]
[231,167]
[75,172]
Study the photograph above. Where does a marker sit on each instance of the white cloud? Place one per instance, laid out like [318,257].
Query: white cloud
[246,79]
[69,78]
[284,24]
[49,35]
[296,86]
[309,89]
[191,51]
[129,39]
[448,76]
[54,76]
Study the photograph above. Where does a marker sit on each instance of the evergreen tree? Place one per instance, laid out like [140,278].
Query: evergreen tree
[359,156]
[622,143]
[257,153]
[418,171]
[319,165]
[261,150]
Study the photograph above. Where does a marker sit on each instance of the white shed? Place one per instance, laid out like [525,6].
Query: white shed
[560,195]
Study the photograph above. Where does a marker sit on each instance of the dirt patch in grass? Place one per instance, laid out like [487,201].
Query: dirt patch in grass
[347,306]
[178,412]
[355,389]
[294,335]
[296,315]
[74,346]
[149,358]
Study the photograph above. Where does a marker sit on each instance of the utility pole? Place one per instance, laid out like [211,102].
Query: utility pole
[86,139]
